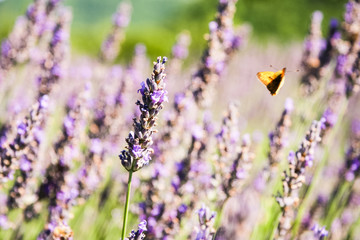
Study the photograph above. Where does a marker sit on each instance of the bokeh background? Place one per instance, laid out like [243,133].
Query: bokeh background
[278,31]
[156,23]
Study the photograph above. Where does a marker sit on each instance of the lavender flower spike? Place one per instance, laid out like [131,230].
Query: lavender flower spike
[138,151]
[206,230]
[319,232]
[295,177]
[111,45]
[139,234]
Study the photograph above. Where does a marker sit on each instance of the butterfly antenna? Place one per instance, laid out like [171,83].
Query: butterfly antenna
[273,67]
[297,70]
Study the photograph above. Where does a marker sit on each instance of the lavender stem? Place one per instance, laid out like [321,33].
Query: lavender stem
[126,211]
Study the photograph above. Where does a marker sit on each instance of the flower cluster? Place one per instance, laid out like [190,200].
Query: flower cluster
[61,156]
[153,94]
[110,47]
[318,53]
[352,170]
[206,230]
[52,66]
[15,153]
[295,178]
[28,29]
[278,137]
[239,169]
[222,42]
[139,234]
[319,232]
[351,29]
[58,184]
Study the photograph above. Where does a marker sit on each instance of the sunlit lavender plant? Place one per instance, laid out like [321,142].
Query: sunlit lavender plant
[139,234]
[318,53]
[352,164]
[27,30]
[278,137]
[292,180]
[352,30]
[52,66]
[221,39]
[319,232]
[239,169]
[206,229]
[111,46]
[58,184]
[228,136]
[179,53]
[13,150]
[138,151]
[28,159]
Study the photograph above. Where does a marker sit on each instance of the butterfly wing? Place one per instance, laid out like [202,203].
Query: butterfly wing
[272,80]
[266,77]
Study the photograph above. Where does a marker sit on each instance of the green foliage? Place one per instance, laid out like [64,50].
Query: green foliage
[156,23]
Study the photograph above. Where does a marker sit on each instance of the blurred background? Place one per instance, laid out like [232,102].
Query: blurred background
[278,31]
[157,22]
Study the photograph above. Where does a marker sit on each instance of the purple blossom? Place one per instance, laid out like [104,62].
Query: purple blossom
[197,132]
[137,151]
[139,140]
[289,105]
[182,208]
[146,156]
[139,234]
[25,164]
[56,71]
[348,13]
[319,232]
[309,160]
[142,226]
[180,52]
[5,48]
[341,64]
[69,125]
[159,97]
[44,101]
[4,222]
[59,36]
[330,117]
[96,146]
[213,26]
[143,88]
[21,128]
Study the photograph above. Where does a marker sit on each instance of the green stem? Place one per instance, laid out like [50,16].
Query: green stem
[126,211]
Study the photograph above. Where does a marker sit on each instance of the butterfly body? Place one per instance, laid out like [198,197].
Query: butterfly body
[272,80]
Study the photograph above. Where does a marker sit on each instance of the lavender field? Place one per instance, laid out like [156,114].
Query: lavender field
[179,146]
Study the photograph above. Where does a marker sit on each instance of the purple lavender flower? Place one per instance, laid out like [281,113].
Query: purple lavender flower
[329,119]
[352,164]
[238,171]
[319,232]
[52,69]
[295,177]
[111,45]
[153,95]
[216,55]
[206,221]
[278,138]
[4,222]
[318,53]
[159,97]
[139,234]
[180,49]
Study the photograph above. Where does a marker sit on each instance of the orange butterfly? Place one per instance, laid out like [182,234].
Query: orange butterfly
[272,80]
